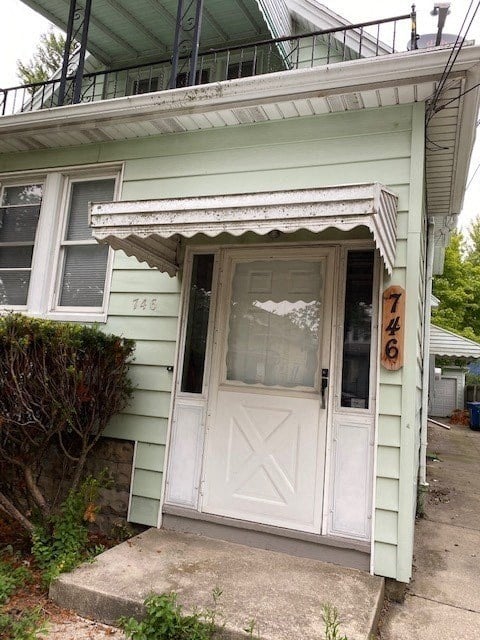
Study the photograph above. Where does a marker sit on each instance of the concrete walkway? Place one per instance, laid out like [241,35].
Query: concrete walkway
[282,594]
[443,600]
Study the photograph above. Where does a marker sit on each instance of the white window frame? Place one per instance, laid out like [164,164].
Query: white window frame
[47,266]
[20,182]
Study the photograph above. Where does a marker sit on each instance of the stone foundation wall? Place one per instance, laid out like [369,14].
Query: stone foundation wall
[115,458]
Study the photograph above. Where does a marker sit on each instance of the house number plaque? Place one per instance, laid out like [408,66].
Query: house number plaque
[393,320]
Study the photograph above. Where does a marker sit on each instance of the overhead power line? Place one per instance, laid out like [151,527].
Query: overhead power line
[459,42]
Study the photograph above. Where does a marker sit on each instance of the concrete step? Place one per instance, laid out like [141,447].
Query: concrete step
[282,594]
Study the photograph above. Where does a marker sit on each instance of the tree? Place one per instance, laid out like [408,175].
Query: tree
[46,60]
[458,288]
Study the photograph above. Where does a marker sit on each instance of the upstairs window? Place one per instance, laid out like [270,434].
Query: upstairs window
[19,216]
[201,77]
[146,85]
[240,70]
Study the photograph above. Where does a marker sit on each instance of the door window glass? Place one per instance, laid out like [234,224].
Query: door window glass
[357,336]
[197,323]
[275,318]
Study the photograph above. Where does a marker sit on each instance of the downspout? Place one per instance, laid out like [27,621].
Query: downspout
[426,350]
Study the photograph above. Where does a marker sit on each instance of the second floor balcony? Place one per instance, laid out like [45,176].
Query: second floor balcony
[90,74]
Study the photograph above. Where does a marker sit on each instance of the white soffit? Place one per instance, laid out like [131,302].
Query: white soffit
[150,230]
[447,343]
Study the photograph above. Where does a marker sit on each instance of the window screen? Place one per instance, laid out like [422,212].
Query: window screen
[19,215]
[84,262]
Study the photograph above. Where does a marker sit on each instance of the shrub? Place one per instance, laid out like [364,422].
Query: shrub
[165,619]
[60,383]
[63,544]
[10,579]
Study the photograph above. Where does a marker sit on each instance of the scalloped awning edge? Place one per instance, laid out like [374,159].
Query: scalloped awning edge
[151,230]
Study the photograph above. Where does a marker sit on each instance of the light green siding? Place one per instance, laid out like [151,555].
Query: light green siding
[144,306]
[387,494]
[144,510]
[381,145]
[400,392]
[385,558]
[140,428]
[387,526]
[388,462]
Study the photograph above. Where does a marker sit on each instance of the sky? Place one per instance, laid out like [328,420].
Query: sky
[20,30]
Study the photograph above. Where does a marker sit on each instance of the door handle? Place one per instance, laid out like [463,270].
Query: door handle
[324,387]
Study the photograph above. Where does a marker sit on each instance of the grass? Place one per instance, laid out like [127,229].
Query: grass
[16,624]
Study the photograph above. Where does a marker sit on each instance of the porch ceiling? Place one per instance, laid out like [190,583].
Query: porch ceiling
[122,32]
[151,229]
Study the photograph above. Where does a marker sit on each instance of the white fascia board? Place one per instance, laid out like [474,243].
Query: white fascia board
[466,137]
[358,75]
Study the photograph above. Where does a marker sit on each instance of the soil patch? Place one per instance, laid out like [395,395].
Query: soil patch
[61,624]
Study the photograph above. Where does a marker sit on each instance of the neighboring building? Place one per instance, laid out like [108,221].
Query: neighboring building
[449,388]
[264,217]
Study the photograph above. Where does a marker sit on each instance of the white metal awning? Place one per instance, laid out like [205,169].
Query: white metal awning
[447,343]
[151,230]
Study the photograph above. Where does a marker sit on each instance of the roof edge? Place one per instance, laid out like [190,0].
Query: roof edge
[341,77]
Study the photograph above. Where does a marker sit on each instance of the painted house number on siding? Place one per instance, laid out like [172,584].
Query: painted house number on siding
[393,319]
[144,304]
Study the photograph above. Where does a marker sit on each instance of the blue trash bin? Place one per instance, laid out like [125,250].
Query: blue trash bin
[474,408]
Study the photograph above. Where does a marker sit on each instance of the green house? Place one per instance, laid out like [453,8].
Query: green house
[258,193]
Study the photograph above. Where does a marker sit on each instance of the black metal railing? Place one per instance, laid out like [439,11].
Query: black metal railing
[306,50]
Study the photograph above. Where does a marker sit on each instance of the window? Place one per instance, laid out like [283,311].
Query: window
[49,263]
[19,215]
[197,324]
[83,261]
[240,70]
[275,323]
[357,337]
[201,77]
[145,85]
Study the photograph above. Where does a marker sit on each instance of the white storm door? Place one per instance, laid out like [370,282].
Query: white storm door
[265,449]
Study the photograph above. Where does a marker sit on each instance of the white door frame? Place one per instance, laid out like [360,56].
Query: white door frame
[229,258]
[219,282]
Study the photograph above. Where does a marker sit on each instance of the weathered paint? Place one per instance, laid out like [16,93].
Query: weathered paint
[372,145]
[343,207]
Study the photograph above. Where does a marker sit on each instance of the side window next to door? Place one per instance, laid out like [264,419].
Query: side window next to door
[197,323]
[357,334]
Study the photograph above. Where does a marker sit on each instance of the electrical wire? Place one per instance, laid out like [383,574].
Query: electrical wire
[435,146]
[473,176]
[460,95]
[455,51]
[452,51]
